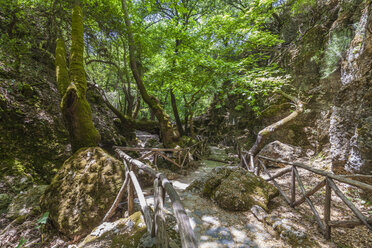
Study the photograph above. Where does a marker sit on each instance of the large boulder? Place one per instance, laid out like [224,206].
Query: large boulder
[83,190]
[236,189]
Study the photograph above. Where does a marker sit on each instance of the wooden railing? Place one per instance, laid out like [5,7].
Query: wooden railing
[326,224]
[180,158]
[155,220]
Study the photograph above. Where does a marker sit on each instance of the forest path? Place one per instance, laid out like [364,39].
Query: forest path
[213,226]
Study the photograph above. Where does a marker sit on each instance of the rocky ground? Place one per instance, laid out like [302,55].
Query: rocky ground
[216,227]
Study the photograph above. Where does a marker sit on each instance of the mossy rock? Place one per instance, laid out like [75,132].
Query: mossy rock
[234,188]
[25,202]
[83,190]
[125,232]
[242,189]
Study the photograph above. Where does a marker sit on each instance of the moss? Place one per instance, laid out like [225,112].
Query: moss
[78,116]
[63,79]
[87,184]
[77,71]
[73,85]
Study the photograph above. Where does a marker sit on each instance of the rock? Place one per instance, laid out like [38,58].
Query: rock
[25,202]
[4,202]
[281,151]
[283,227]
[234,188]
[121,233]
[83,190]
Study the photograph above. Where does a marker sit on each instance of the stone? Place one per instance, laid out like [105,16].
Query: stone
[234,188]
[83,191]
[281,151]
[125,232]
[25,202]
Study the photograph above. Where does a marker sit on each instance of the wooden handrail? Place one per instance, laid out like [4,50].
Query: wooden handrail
[330,185]
[323,173]
[125,148]
[188,238]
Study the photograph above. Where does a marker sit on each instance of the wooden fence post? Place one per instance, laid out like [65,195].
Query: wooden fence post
[327,210]
[293,187]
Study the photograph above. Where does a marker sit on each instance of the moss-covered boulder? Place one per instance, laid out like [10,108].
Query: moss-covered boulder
[25,202]
[236,189]
[83,190]
[121,233]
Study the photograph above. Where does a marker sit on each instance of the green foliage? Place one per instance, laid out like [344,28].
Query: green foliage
[22,242]
[42,221]
[302,6]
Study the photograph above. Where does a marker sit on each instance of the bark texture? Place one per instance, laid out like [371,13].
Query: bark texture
[169,136]
[72,85]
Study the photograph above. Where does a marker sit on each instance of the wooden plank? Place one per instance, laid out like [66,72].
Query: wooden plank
[275,183]
[245,162]
[348,223]
[117,199]
[147,149]
[309,202]
[280,173]
[170,160]
[251,158]
[323,173]
[327,211]
[130,198]
[293,187]
[144,207]
[156,159]
[188,238]
[356,211]
[146,155]
[184,159]
[310,193]
[159,218]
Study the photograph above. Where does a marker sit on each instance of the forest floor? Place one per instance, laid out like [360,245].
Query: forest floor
[215,227]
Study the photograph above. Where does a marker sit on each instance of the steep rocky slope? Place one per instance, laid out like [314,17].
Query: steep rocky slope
[33,139]
[327,52]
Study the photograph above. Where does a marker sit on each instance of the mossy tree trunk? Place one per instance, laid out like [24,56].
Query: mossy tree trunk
[168,134]
[73,86]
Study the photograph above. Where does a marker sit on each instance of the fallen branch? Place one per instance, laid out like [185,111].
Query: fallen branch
[267,131]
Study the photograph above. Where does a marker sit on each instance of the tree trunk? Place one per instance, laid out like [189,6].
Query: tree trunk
[72,86]
[175,112]
[129,124]
[137,108]
[267,131]
[169,135]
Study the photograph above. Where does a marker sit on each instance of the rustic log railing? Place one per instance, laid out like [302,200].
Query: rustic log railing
[155,222]
[181,156]
[326,224]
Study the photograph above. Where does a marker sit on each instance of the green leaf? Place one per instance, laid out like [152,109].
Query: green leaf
[21,242]
[43,219]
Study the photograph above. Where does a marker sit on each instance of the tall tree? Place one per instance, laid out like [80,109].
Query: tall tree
[168,134]
[72,85]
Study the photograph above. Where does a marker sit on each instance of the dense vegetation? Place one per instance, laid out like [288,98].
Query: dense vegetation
[79,77]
